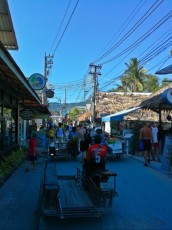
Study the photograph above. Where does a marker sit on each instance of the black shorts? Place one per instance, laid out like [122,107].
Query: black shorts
[83,145]
[147,145]
[32,158]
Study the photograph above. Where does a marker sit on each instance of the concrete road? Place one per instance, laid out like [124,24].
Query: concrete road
[144,202]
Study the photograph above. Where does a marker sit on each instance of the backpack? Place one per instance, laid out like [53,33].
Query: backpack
[51,133]
[74,138]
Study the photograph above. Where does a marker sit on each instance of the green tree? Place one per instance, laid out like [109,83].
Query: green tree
[165,81]
[151,83]
[112,90]
[134,76]
[74,113]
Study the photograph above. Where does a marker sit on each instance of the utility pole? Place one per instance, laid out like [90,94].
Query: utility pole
[65,102]
[85,91]
[94,71]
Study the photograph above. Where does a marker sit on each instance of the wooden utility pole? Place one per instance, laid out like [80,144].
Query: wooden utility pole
[94,71]
[65,102]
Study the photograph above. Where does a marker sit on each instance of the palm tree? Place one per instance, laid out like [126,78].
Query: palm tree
[134,76]
[122,88]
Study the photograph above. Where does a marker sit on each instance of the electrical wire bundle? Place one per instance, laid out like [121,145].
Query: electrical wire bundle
[121,46]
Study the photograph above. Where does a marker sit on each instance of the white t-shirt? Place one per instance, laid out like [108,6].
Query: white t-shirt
[154,134]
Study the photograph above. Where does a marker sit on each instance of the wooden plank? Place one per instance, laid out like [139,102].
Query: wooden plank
[73,196]
[63,198]
[51,181]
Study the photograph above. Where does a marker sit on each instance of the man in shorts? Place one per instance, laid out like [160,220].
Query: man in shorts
[146,137]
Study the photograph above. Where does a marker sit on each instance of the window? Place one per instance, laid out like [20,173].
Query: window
[9,127]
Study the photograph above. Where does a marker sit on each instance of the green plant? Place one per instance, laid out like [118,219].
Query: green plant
[9,163]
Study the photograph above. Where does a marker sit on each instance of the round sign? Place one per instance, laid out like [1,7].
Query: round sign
[37,81]
[167,96]
[49,93]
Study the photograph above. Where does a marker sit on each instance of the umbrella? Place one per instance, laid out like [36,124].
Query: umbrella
[166,70]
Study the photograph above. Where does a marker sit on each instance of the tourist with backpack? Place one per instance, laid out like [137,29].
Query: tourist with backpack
[51,133]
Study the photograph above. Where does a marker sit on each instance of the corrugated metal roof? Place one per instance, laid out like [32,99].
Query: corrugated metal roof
[7,33]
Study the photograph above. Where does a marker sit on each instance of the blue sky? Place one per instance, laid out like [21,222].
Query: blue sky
[94,23]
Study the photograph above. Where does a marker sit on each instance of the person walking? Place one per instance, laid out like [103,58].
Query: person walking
[81,141]
[59,135]
[73,142]
[146,137]
[155,144]
[87,138]
[51,133]
[32,156]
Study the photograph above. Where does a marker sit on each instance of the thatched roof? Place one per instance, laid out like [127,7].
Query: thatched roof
[84,116]
[114,102]
[155,102]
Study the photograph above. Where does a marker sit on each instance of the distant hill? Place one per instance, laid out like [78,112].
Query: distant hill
[55,106]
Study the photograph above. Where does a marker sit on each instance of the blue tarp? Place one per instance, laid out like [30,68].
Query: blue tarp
[119,116]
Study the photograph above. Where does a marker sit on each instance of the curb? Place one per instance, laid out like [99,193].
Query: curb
[169,174]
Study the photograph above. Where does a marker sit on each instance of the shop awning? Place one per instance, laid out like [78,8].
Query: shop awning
[13,81]
[119,116]
[166,70]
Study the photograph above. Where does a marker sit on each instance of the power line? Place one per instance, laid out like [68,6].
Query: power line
[160,64]
[124,26]
[155,53]
[152,46]
[61,25]
[141,39]
[66,27]
[137,24]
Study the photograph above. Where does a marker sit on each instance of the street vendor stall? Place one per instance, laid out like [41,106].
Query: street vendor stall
[116,117]
[116,146]
[120,141]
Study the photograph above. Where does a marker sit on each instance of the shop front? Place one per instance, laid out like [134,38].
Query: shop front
[16,95]
[8,122]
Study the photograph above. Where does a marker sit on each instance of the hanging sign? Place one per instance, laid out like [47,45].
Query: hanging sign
[26,114]
[49,93]
[37,81]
